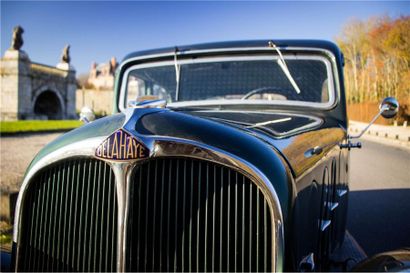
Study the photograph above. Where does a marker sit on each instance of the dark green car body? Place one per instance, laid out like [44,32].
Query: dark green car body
[301,159]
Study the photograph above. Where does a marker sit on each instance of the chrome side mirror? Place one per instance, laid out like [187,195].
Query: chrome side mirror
[388,109]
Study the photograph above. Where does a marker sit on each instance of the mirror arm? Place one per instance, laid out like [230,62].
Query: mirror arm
[384,108]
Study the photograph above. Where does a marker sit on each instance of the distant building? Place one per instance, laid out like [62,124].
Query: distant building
[101,76]
[32,90]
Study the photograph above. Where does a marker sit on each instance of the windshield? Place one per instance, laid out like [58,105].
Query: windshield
[244,80]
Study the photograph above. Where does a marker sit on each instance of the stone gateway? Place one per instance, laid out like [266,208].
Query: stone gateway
[32,90]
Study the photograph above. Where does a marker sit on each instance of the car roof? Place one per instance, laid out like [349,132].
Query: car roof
[323,44]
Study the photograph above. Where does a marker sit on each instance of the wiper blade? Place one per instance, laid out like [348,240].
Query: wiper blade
[284,67]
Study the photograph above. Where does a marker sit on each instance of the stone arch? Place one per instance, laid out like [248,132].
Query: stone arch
[48,103]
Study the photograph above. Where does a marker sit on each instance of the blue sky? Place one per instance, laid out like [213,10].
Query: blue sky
[99,30]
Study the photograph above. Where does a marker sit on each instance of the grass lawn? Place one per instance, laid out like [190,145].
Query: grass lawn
[21,126]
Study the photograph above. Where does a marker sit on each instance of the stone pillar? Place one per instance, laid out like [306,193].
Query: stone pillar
[71,83]
[15,85]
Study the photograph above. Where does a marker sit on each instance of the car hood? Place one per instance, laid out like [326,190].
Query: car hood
[290,134]
[267,147]
[151,123]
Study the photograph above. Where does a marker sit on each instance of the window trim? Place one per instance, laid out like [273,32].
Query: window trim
[330,67]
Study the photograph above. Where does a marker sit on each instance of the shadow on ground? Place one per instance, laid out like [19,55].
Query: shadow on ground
[380,219]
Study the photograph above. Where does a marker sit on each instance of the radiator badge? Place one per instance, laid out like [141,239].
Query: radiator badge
[121,146]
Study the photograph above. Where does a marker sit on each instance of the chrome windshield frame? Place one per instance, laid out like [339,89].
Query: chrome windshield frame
[266,54]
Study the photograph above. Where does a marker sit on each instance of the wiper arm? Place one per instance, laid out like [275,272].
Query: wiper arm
[284,67]
[177,73]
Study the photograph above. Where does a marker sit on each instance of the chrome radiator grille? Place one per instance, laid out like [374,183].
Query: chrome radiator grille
[69,220]
[192,215]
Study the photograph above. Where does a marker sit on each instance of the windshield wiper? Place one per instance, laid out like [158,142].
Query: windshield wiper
[284,67]
[177,73]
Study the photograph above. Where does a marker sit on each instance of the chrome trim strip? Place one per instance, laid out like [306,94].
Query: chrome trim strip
[334,91]
[331,205]
[316,121]
[340,193]
[159,147]
[120,171]
[218,50]
[315,105]
[325,224]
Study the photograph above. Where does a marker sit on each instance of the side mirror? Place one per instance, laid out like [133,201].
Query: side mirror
[388,109]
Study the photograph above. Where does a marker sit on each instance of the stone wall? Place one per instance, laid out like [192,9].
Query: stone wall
[100,101]
[22,81]
[15,85]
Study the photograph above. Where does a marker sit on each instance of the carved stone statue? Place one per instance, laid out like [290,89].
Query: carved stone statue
[65,57]
[17,41]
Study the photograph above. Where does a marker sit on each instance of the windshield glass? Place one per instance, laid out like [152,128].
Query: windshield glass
[250,80]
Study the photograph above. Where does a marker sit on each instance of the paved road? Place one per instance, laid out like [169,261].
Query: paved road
[379,206]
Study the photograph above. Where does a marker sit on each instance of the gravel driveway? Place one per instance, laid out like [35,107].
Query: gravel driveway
[16,154]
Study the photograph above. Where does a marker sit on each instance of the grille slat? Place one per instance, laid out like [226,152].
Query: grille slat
[48,221]
[250,226]
[183,217]
[206,217]
[60,214]
[176,219]
[82,208]
[228,219]
[213,218]
[236,222]
[64,213]
[221,209]
[111,257]
[75,232]
[154,215]
[42,219]
[243,223]
[198,217]
[210,218]
[161,214]
[190,216]
[107,230]
[31,240]
[53,226]
[62,226]
[92,222]
[37,224]
[168,238]
[70,213]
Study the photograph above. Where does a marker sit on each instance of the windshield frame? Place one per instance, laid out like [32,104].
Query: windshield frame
[328,59]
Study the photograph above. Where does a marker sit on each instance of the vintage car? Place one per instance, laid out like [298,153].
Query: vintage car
[229,156]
